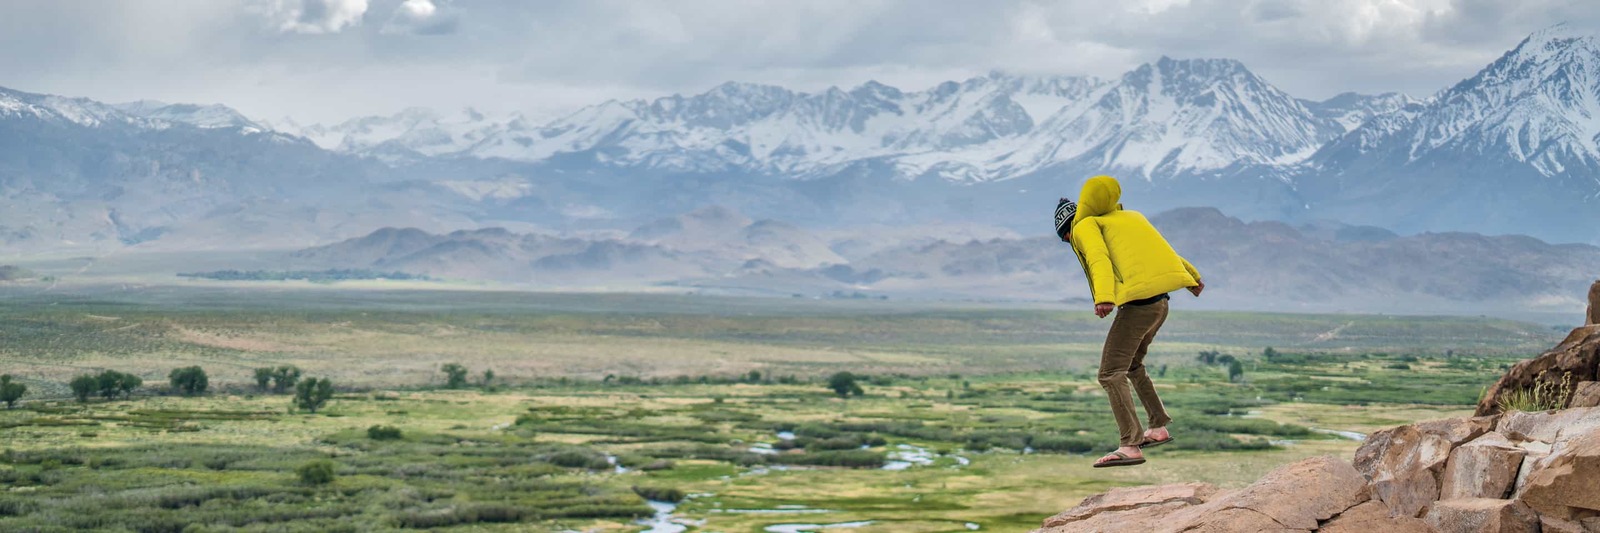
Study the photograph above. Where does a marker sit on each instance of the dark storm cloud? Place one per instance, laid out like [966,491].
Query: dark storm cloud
[329,59]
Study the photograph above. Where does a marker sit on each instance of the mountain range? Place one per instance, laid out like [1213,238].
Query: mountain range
[1320,266]
[1512,149]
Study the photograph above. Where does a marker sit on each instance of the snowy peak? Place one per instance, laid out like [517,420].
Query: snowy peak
[200,116]
[1536,109]
[1351,110]
[1175,117]
[411,132]
[79,111]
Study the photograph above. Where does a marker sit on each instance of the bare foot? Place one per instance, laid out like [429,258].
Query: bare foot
[1131,451]
[1156,434]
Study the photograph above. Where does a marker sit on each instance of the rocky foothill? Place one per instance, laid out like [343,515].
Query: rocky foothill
[1497,471]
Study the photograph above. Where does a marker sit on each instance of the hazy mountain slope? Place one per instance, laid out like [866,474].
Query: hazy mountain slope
[1261,265]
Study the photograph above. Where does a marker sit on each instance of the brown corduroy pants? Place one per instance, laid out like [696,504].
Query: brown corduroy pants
[1122,362]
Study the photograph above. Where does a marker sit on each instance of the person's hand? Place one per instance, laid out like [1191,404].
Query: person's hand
[1101,310]
[1200,286]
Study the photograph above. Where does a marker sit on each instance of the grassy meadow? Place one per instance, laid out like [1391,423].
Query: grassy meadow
[669,413]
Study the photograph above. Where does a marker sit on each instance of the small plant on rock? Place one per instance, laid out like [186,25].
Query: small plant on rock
[1544,395]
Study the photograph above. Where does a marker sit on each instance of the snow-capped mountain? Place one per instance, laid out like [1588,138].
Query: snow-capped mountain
[772,130]
[1351,110]
[1517,144]
[18,105]
[1171,117]
[415,132]
[200,116]
[1177,117]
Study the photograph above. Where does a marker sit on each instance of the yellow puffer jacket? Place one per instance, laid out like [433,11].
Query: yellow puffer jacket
[1124,257]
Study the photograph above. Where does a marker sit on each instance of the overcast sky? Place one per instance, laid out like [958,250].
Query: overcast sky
[327,60]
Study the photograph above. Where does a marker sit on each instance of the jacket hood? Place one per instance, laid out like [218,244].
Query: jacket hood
[1101,195]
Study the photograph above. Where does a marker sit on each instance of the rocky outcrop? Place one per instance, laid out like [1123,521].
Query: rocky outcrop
[1566,484]
[1586,394]
[1576,360]
[1516,472]
[1487,515]
[1484,468]
[1511,472]
[1594,304]
[1295,497]
[1373,517]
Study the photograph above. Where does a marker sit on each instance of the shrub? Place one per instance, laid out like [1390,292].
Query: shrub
[1065,443]
[11,392]
[382,432]
[282,378]
[110,383]
[189,380]
[659,494]
[313,393]
[83,386]
[844,384]
[316,472]
[455,375]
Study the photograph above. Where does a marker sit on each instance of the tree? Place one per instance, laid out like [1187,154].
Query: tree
[83,386]
[285,377]
[1162,371]
[455,375]
[10,392]
[313,393]
[1235,372]
[844,384]
[1208,357]
[189,380]
[753,377]
[488,377]
[264,378]
[1269,353]
[110,383]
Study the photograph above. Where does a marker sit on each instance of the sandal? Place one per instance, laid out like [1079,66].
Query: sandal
[1153,443]
[1122,460]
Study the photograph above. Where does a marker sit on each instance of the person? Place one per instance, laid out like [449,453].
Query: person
[1130,269]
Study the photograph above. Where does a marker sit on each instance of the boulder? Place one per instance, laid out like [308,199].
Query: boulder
[1151,518]
[1298,495]
[1586,394]
[1125,499]
[1458,430]
[1366,459]
[1543,426]
[1486,515]
[1566,484]
[1577,355]
[1406,476]
[1234,520]
[1374,517]
[1533,451]
[1484,468]
[1295,497]
[1557,525]
[1455,431]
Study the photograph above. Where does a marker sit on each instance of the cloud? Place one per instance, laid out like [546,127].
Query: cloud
[313,16]
[325,60]
[419,17]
